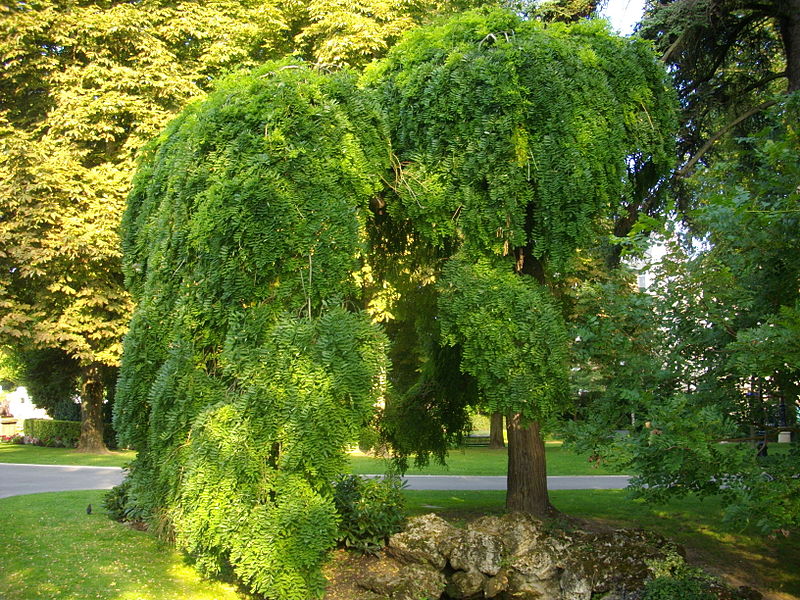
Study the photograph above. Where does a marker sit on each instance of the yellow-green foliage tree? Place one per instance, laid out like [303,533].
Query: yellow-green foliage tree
[84,85]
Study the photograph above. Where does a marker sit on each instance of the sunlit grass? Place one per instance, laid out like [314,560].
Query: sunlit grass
[485,461]
[38,455]
[52,549]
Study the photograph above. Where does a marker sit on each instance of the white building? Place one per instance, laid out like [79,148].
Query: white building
[20,405]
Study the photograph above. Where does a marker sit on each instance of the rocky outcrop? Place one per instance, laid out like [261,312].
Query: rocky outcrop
[516,557]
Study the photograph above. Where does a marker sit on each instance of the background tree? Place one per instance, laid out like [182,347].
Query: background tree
[616,363]
[729,59]
[731,284]
[84,86]
[728,317]
[512,142]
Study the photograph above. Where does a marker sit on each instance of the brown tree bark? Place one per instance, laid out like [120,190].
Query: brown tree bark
[92,396]
[789,23]
[527,469]
[496,439]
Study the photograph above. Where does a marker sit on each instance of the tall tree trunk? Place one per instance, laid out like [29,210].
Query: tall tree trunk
[496,439]
[91,439]
[527,469]
[789,24]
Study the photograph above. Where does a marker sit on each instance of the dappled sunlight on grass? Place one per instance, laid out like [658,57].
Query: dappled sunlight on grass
[53,549]
[37,455]
[485,461]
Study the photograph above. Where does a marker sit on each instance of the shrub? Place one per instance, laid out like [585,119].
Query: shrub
[676,588]
[55,433]
[118,505]
[370,510]
[16,438]
[52,433]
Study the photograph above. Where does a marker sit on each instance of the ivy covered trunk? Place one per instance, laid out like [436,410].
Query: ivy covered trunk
[92,395]
[527,469]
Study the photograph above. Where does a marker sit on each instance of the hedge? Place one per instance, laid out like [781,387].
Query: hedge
[56,433]
[51,432]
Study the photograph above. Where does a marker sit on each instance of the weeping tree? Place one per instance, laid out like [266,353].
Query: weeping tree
[517,144]
[248,367]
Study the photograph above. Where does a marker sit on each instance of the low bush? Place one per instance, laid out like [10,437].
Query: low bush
[52,433]
[16,438]
[55,433]
[677,588]
[370,510]
[675,580]
[119,507]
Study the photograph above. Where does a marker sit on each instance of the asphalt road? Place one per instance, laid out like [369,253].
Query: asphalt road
[17,479]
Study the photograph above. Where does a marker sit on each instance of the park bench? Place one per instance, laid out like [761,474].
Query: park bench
[475,440]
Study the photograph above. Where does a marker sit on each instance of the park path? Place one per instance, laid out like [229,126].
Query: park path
[17,479]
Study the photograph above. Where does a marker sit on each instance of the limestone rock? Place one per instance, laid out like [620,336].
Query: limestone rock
[518,557]
[420,583]
[404,582]
[427,539]
[526,588]
[477,551]
[466,584]
[495,585]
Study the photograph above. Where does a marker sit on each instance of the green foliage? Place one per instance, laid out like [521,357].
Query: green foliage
[673,579]
[513,337]
[370,510]
[119,505]
[52,379]
[515,135]
[426,409]
[728,331]
[673,588]
[729,60]
[514,142]
[246,371]
[616,364]
[50,432]
[726,346]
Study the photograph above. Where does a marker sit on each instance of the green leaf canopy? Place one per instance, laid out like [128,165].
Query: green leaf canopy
[246,370]
[517,143]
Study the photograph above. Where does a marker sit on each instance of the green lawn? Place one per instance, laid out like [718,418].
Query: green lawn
[745,558]
[52,549]
[467,461]
[37,455]
[483,461]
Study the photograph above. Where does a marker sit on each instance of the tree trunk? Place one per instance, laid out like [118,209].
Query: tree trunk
[91,439]
[789,23]
[496,439]
[527,470]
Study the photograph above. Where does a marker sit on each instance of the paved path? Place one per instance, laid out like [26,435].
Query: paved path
[18,479]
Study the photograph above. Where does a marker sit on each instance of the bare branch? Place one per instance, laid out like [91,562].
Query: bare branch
[687,168]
